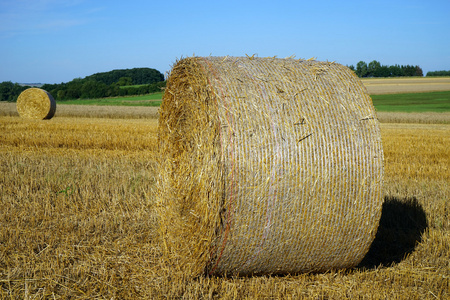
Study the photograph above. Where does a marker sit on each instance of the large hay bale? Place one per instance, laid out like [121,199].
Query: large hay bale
[35,103]
[267,166]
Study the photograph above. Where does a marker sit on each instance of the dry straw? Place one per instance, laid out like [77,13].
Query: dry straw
[34,103]
[267,166]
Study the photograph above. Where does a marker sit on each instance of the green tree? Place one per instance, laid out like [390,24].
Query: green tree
[6,88]
[409,70]
[10,91]
[373,68]
[419,71]
[137,75]
[156,87]
[382,71]
[107,84]
[93,89]
[74,89]
[123,81]
[361,69]
[60,94]
[438,73]
[396,70]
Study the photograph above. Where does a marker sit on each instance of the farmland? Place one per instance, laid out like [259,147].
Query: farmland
[413,102]
[143,100]
[78,217]
[378,86]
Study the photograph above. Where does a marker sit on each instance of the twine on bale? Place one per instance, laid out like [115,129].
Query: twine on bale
[267,166]
[35,103]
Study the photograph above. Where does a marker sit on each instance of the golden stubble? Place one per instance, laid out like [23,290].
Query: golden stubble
[78,219]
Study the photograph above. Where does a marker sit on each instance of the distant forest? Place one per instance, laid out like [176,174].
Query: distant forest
[438,73]
[124,82]
[137,81]
[376,69]
[137,76]
[141,81]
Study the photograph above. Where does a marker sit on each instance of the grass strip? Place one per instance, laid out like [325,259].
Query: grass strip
[413,102]
[141,100]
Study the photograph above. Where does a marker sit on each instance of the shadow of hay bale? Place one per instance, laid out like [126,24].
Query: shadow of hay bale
[402,224]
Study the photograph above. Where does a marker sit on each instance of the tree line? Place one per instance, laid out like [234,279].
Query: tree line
[125,82]
[10,91]
[438,73]
[137,76]
[376,69]
[141,81]
[91,89]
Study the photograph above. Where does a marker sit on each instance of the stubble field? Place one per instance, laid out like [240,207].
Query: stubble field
[78,219]
[396,85]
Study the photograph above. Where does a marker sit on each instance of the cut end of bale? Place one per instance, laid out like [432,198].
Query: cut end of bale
[35,103]
[267,166]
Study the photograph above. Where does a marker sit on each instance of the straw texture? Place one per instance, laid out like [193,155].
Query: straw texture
[267,166]
[35,103]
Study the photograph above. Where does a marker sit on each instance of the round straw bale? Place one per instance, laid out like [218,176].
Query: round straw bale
[267,166]
[34,103]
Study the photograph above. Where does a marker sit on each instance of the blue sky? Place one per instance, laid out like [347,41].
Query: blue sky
[53,41]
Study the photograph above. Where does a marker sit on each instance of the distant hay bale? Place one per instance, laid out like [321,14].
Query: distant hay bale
[267,166]
[34,103]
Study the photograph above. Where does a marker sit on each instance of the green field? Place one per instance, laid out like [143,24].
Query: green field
[142,100]
[413,102]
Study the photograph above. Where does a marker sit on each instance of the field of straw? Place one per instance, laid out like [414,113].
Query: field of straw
[397,85]
[78,219]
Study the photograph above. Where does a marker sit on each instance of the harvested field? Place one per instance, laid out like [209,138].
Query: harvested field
[91,111]
[413,117]
[78,219]
[377,86]
[120,112]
